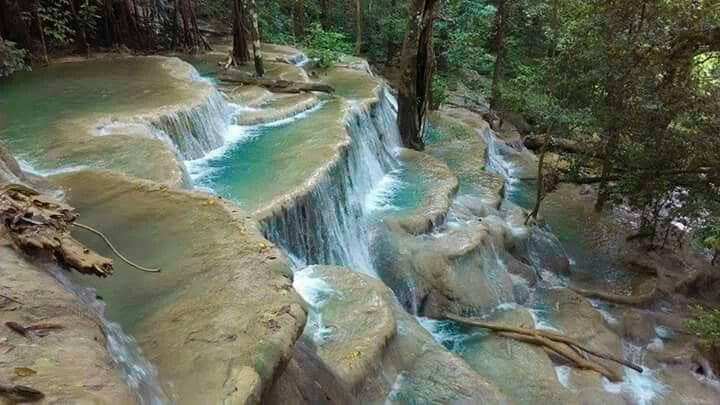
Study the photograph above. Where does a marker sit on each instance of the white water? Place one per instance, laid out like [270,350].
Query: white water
[138,373]
[232,135]
[642,388]
[315,291]
[329,225]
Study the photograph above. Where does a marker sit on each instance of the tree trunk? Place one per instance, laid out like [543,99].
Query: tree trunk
[358,27]
[326,7]
[613,135]
[299,20]
[240,52]
[257,52]
[501,22]
[42,37]
[81,31]
[540,184]
[415,81]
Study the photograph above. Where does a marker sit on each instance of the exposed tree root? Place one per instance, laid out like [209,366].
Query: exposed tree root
[555,343]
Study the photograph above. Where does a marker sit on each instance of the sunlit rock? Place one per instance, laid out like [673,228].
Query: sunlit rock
[221,319]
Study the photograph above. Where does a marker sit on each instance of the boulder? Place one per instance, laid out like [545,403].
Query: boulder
[638,326]
[574,316]
[459,271]
[400,364]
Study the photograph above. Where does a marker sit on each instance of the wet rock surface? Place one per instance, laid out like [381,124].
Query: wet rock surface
[223,304]
[65,355]
[396,359]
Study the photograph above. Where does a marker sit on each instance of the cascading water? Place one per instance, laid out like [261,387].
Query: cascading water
[329,225]
[198,130]
[137,371]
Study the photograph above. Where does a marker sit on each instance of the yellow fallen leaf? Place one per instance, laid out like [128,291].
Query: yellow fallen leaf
[24,372]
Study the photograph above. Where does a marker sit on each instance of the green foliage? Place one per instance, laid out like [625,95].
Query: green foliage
[708,235]
[326,47]
[88,16]
[463,34]
[56,21]
[12,59]
[439,89]
[704,323]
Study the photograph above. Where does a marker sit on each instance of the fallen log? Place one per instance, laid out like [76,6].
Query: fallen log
[274,85]
[565,351]
[37,224]
[562,345]
[619,299]
[536,143]
[20,393]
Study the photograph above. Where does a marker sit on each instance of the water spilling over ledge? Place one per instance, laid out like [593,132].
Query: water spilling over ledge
[328,188]
[326,223]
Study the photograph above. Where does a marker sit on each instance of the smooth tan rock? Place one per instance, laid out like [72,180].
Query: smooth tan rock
[523,372]
[221,319]
[400,364]
[69,365]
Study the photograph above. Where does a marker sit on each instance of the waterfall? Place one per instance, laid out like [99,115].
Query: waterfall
[329,224]
[197,130]
[124,351]
[190,130]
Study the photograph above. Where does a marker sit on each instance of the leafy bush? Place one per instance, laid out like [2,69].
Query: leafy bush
[704,323]
[439,90]
[326,47]
[12,59]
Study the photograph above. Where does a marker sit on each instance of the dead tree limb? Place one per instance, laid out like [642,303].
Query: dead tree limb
[619,299]
[274,85]
[20,393]
[38,224]
[562,345]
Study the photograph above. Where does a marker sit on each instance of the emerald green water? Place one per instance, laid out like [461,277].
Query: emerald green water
[270,161]
[52,107]
[412,190]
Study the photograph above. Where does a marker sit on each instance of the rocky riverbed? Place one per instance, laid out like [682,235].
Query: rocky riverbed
[306,257]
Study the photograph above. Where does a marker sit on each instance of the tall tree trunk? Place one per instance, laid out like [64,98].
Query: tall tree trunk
[358,26]
[257,52]
[417,62]
[540,191]
[327,7]
[41,29]
[81,31]
[240,51]
[502,17]
[299,19]
[612,135]
[111,27]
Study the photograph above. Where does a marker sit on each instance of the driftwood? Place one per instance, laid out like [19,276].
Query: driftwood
[564,145]
[38,224]
[20,393]
[619,299]
[274,85]
[556,344]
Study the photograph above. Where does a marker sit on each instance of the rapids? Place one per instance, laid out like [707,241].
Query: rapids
[329,184]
